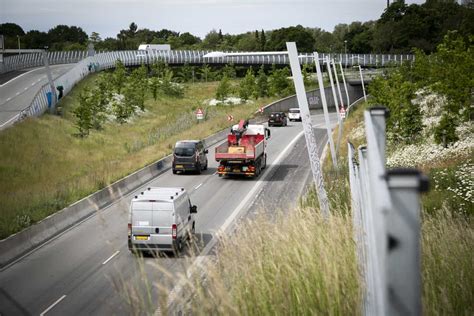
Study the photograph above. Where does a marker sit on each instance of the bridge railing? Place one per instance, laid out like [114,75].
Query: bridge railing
[386,218]
[133,57]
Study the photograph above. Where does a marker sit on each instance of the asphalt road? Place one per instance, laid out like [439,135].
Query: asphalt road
[88,270]
[18,92]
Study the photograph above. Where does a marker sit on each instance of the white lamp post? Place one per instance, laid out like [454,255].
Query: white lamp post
[19,47]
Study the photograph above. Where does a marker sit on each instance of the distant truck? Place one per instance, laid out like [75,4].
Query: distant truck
[157,47]
[244,152]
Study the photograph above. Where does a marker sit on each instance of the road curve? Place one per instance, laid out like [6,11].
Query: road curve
[89,270]
[18,93]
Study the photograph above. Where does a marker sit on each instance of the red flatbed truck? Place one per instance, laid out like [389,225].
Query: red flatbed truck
[244,152]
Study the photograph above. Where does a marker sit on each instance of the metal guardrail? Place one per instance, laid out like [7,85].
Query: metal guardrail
[386,217]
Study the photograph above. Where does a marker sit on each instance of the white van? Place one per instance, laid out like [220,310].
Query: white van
[160,219]
[294,114]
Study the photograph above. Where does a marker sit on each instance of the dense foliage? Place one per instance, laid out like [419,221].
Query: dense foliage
[400,28]
[447,72]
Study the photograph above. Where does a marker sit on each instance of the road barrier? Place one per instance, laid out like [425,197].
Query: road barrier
[386,217]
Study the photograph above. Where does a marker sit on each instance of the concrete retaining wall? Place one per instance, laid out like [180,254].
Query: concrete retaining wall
[25,241]
[314,99]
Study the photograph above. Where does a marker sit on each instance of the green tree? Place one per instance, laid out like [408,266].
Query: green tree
[223,89]
[118,78]
[262,83]
[303,38]
[280,84]
[205,72]
[84,114]
[247,85]
[229,71]
[263,41]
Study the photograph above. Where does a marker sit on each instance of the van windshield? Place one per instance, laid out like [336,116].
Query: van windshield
[184,151]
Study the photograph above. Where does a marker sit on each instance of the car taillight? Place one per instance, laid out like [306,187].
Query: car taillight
[129,229]
[221,168]
[174,231]
[251,168]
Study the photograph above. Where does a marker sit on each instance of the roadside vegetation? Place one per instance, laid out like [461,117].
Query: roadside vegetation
[111,125]
[299,263]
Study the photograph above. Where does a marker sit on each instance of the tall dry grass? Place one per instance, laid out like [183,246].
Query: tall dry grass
[447,264]
[297,264]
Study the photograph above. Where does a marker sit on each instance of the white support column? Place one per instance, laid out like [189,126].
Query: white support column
[341,127]
[328,128]
[345,85]
[311,143]
[325,109]
[362,82]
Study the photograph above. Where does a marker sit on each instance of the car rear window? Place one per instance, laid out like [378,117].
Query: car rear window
[295,111]
[184,151]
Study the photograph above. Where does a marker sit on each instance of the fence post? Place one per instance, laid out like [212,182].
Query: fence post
[403,229]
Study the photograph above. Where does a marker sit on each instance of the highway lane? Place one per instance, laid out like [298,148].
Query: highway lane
[18,93]
[89,270]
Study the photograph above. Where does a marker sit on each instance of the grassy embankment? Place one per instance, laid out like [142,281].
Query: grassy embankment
[44,167]
[302,264]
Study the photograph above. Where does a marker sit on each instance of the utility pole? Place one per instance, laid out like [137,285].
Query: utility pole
[388,3]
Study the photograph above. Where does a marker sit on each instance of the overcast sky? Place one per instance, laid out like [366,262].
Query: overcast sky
[108,17]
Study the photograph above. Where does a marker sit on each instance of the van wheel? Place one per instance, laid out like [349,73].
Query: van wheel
[205,167]
[198,168]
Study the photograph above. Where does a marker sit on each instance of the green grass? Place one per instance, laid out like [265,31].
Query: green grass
[44,167]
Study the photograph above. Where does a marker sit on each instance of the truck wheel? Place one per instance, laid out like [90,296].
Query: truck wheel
[264,161]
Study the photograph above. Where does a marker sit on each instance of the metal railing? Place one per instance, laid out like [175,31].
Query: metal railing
[386,218]
[22,61]
[133,57]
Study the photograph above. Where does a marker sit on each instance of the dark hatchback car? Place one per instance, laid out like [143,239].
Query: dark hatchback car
[189,155]
[277,118]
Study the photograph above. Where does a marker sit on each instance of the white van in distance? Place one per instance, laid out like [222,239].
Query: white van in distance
[294,114]
[160,219]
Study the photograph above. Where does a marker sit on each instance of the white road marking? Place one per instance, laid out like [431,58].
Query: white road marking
[33,83]
[1,85]
[9,99]
[25,88]
[18,93]
[198,187]
[54,304]
[201,261]
[13,118]
[110,258]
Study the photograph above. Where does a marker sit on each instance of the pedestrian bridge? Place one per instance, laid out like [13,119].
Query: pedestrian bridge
[105,60]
